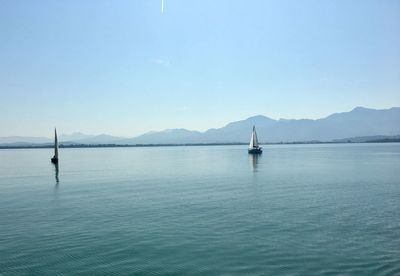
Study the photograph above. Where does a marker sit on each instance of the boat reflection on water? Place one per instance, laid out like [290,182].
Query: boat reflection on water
[56,170]
[254,160]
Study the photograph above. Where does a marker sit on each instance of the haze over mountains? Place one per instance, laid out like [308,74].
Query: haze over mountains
[355,123]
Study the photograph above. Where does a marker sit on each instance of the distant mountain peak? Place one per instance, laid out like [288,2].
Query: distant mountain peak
[360,108]
[174,130]
[258,117]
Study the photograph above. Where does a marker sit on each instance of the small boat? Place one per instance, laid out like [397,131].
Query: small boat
[254,148]
[55,157]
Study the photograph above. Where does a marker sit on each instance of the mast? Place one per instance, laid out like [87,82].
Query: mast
[55,144]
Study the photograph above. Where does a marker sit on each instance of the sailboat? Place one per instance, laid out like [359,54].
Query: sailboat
[254,148]
[55,157]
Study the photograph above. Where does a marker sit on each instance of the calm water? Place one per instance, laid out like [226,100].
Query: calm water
[297,209]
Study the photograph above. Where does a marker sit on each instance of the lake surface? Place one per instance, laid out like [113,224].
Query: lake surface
[295,210]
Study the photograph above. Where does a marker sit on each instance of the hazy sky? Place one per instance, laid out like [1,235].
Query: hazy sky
[122,67]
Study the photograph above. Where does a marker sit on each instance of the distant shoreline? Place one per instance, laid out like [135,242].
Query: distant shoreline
[191,144]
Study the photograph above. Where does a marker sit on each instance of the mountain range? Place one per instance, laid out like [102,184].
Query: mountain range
[359,122]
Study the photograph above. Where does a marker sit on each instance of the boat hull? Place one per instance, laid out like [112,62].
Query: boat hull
[255,151]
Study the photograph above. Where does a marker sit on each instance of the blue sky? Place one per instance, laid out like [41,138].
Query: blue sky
[124,68]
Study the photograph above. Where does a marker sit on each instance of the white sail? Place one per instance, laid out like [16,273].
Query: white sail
[253,140]
[55,144]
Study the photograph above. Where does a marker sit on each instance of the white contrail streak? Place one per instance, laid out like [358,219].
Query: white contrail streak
[162,6]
